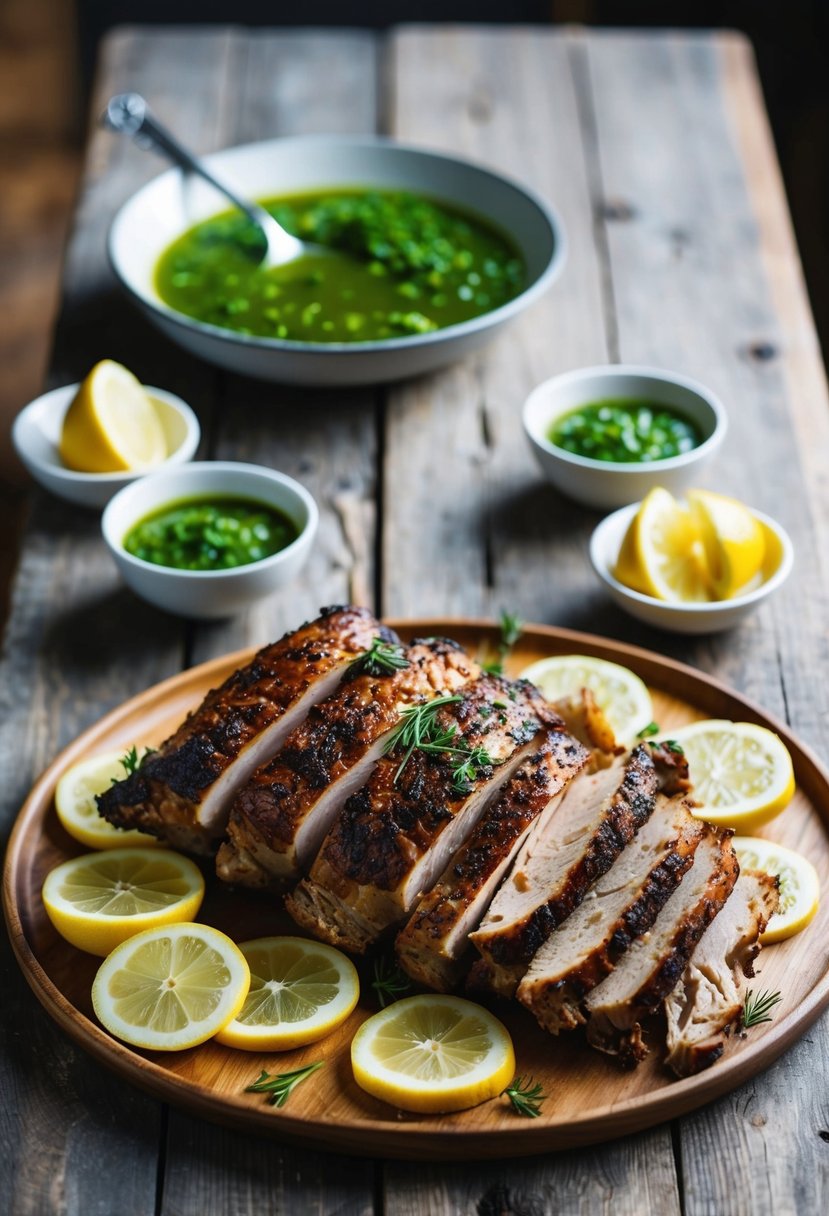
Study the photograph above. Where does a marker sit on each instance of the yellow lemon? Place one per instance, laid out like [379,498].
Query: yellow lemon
[99,900]
[621,695]
[433,1054]
[111,425]
[799,885]
[171,988]
[299,992]
[77,811]
[742,773]
[661,554]
[734,542]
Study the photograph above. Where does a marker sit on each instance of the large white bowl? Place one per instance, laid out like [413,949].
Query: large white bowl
[36,436]
[603,483]
[171,203]
[210,594]
[606,542]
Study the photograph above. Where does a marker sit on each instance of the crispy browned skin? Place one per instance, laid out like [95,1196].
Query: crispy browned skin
[362,880]
[430,947]
[169,793]
[270,810]
[584,719]
[614,1025]
[507,948]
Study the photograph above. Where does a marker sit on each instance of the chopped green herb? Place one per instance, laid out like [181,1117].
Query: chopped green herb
[648,731]
[279,1086]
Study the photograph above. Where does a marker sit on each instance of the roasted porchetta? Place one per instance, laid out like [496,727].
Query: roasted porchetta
[398,793]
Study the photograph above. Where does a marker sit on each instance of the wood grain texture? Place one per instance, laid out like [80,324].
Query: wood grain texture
[589,1100]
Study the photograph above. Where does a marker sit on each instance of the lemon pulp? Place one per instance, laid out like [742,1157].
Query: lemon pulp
[112,424]
[621,695]
[733,540]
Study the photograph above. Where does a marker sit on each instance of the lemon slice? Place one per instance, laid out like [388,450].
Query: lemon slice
[77,811]
[799,885]
[433,1054]
[99,900]
[742,773]
[623,698]
[661,554]
[299,992]
[111,425]
[171,988]
[734,542]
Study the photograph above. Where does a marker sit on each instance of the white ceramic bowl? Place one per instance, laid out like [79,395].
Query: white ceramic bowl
[210,594]
[601,483]
[36,435]
[688,618]
[170,204]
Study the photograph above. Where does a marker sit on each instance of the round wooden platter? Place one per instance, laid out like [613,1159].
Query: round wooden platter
[588,1098]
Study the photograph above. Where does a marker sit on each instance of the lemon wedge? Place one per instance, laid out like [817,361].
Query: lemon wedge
[433,1054]
[299,992]
[742,773]
[799,885]
[111,425]
[734,542]
[99,900]
[171,988]
[78,813]
[621,695]
[661,554]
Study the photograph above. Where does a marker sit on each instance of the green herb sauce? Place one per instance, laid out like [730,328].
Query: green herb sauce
[210,534]
[625,431]
[402,264]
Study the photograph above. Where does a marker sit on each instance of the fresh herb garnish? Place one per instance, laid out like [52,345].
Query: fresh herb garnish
[381,659]
[418,730]
[278,1086]
[389,983]
[757,1009]
[647,732]
[511,629]
[130,761]
[526,1099]
[671,745]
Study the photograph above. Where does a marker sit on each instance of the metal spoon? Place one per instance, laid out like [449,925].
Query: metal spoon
[129,114]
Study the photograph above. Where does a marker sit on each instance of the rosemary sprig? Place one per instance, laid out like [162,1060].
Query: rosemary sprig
[647,732]
[390,982]
[130,761]
[279,1086]
[466,771]
[511,629]
[417,726]
[757,1009]
[526,1098]
[381,659]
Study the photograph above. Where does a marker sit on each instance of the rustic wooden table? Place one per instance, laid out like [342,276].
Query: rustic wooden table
[657,153]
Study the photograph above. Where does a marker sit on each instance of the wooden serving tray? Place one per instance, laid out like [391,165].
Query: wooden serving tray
[589,1099]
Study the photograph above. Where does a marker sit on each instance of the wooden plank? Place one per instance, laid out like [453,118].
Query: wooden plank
[467,523]
[325,438]
[468,520]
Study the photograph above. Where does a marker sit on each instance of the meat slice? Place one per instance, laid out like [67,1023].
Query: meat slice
[585,719]
[182,793]
[280,817]
[650,969]
[618,908]
[709,998]
[395,835]
[433,943]
[563,856]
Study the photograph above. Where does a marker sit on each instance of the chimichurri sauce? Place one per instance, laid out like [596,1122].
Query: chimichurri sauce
[626,431]
[402,264]
[210,534]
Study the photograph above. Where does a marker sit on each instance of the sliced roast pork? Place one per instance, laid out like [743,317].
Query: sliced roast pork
[563,856]
[279,819]
[432,945]
[395,836]
[709,998]
[650,969]
[182,793]
[619,907]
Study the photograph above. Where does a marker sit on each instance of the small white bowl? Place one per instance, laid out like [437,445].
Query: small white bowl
[602,483]
[36,436]
[210,594]
[688,618]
